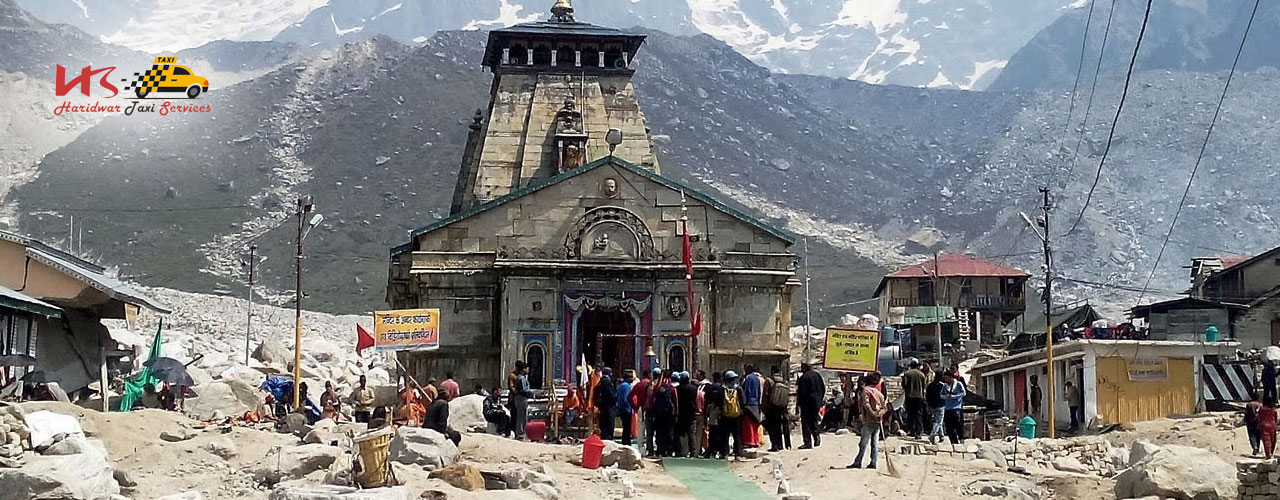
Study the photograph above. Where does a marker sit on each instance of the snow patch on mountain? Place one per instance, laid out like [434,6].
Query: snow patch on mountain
[508,14]
[172,25]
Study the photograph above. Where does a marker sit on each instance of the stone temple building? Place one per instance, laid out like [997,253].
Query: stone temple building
[564,239]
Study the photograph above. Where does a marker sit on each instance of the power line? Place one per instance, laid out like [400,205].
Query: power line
[1093,91]
[1084,42]
[1128,77]
[1203,146]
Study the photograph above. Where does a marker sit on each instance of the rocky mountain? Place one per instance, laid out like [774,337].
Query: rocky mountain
[1188,35]
[955,44]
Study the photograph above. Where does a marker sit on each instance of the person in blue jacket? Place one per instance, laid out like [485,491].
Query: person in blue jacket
[953,403]
[623,406]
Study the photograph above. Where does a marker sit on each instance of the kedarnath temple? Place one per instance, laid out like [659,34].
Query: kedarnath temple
[564,240]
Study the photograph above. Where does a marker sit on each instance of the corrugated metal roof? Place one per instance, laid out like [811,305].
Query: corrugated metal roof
[17,300]
[113,287]
[954,264]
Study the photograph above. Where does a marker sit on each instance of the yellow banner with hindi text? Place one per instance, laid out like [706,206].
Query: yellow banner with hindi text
[406,330]
[851,349]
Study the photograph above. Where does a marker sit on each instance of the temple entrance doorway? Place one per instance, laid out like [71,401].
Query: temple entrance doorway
[608,337]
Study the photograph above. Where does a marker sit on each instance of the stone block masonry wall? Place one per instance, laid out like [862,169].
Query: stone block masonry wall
[1259,479]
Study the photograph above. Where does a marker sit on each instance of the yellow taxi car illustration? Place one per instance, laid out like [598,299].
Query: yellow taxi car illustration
[165,76]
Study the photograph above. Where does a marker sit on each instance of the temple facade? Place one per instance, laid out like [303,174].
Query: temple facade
[564,241]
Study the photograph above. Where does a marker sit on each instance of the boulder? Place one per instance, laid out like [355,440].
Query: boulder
[124,479]
[419,446]
[990,451]
[1070,464]
[70,444]
[434,495]
[186,495]
[461,476]
[231,398]
[44,425]
[1179,472]
[625,457]
[294,463]
[85,475]
[1140,451]
[330,492]
[177,436]
[296,424]
[272,352]
[467,412]
[249,375]
[328,436]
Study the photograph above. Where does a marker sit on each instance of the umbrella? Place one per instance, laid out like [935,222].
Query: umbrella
[162,364]
[17,360]
[174,376]
[39,377]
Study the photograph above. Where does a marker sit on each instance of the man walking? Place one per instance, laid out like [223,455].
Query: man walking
[810,390]
[953,399]
[623,406]
[913,384]
[871,408]
[606,398]
[1074,404]
[775,411]
[732,416]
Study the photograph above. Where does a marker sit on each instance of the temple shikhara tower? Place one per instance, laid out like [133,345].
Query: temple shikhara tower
[565,242]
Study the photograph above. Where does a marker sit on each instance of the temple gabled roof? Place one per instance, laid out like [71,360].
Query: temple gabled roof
[608,160]
[558,31]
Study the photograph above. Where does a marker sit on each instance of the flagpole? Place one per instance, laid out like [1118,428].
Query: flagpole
[695,309]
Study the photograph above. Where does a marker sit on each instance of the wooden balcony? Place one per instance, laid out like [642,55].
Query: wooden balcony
[966,301]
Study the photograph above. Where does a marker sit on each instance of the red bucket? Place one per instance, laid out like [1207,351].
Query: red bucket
[592,452]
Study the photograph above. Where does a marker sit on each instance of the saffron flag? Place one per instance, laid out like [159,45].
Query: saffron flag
[364,339]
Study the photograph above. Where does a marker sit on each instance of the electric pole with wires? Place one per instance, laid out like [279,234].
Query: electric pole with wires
[1048,310]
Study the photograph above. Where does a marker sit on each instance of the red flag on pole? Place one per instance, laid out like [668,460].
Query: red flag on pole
[695,311]
[364,340]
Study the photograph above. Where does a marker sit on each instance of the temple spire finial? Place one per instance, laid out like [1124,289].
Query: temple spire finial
[562,12]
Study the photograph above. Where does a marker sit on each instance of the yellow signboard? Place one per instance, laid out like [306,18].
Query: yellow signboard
[406,330]
[1147,369]
[850,349]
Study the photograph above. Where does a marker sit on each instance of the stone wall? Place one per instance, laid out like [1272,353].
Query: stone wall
[1253,328]
[1259,479]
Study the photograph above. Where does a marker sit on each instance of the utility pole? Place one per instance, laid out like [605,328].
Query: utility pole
[937,316]
[304,207]
[1048,313]
[248,325]
[808,318]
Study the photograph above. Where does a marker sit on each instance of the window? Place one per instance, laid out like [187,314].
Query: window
[181,71]
[535,357]
[924,291]
[966,286]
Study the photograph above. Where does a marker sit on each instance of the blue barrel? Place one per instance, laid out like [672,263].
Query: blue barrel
[1027,427]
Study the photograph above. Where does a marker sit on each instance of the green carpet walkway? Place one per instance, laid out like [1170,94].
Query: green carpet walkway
[712,480]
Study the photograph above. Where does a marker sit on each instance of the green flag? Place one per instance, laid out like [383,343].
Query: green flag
[133,389]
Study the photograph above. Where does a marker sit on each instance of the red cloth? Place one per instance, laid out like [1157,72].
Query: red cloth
[750,431]
[1267,424]
[695,312]
[363,339]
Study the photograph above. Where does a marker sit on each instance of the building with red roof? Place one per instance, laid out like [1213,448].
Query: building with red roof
[971,299]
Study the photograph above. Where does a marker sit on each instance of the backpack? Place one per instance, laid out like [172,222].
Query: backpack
[779,395]
[662,400]
[493,406]
[732,408]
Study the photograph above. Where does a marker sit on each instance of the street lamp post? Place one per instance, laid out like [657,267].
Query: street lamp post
[305,207]
[1048,304]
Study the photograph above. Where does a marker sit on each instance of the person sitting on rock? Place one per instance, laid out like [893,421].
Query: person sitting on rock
[496,413]
[437,418]
[330,405]
[411,408]
[150,399]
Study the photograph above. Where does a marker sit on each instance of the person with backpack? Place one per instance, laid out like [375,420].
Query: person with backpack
[662,403]
[732,416]
[810,390]
[753,392]
[775,411]
[688,444]
[713,402]
[641,396]
[871,409]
